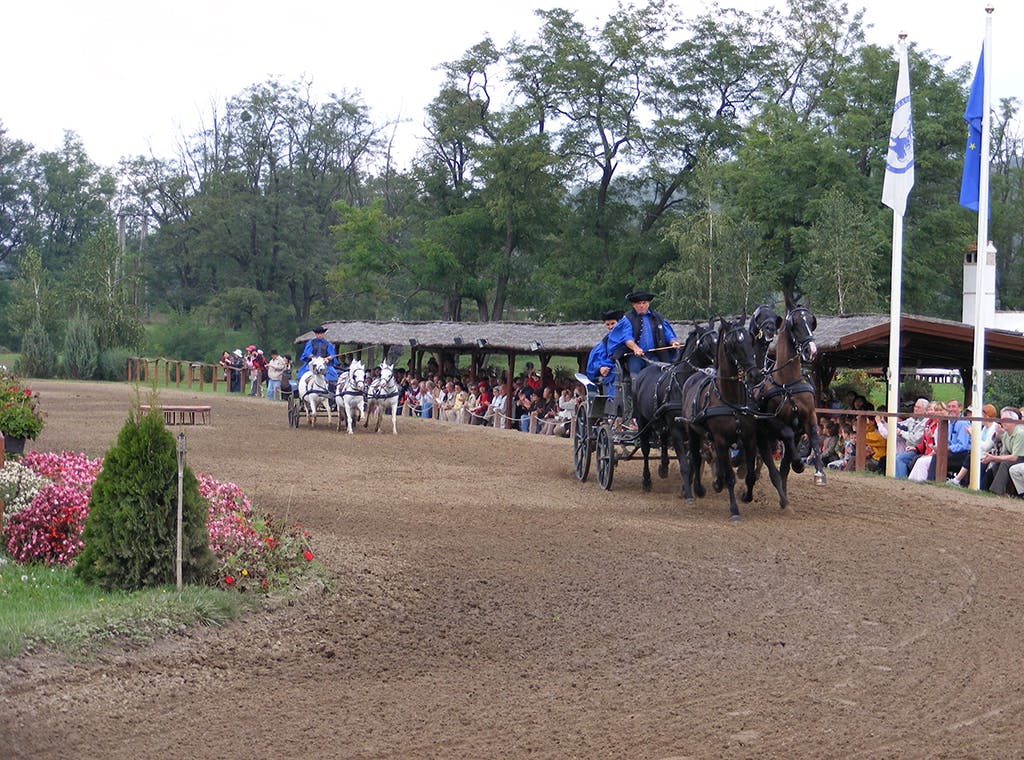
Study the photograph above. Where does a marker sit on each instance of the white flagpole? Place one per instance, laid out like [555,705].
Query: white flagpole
[894,194]
[978,373]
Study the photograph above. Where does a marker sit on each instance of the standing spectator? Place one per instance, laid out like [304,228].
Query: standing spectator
[236,366]
[255,364]
[275,371]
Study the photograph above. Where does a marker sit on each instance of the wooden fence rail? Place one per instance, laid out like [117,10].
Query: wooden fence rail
[174,372]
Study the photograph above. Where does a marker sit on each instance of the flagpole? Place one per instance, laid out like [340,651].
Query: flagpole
[895,196]
[978,371]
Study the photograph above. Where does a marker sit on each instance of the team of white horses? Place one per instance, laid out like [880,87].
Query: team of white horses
[351,395]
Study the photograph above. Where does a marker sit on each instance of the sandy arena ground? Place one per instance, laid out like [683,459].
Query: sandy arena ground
[486,604]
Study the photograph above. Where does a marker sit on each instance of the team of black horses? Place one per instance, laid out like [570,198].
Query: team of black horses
[727,396]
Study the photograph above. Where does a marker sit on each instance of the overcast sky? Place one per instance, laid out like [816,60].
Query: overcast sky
[127,75]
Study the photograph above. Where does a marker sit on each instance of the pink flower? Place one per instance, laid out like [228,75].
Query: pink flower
[308,555]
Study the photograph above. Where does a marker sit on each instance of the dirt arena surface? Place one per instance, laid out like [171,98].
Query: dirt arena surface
[486,604]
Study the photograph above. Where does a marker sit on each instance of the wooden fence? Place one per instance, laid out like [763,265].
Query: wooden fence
[177,372]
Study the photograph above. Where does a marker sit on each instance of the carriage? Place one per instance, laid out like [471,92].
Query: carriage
[595,431]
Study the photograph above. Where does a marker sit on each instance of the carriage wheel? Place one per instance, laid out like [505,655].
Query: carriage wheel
[293,412]
[582,448]
[605,456]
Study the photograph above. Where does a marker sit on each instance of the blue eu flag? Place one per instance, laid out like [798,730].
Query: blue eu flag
[971,183]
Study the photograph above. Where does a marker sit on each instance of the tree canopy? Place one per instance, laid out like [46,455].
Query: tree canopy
[721,157]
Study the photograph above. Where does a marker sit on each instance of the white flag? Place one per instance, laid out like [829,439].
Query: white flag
[899,163]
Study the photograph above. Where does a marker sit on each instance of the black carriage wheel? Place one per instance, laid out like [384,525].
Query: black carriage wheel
[582,448]
[293,412]
[605,456]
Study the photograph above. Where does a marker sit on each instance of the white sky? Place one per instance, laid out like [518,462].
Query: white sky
[127,75]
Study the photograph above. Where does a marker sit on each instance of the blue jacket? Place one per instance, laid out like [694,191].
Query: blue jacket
[319,347]
[599,357]
[659,333]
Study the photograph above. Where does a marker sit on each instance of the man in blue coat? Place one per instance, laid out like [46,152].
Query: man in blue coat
[640,330]
[318,345]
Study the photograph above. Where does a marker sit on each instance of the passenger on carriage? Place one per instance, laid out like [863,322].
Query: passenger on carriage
[318,345]
[600,364]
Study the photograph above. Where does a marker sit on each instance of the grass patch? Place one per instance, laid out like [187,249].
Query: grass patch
[49,607]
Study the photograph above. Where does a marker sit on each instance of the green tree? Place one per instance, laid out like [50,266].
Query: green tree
[81,352]
[842,252]
[130,533]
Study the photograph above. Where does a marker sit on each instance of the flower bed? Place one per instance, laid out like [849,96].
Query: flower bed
[49,496]
[20,416]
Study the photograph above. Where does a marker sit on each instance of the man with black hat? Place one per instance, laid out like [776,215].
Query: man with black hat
[318,345]
[600,364]
[641,330]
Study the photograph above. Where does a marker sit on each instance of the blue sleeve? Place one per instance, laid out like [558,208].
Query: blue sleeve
[670,334]
[598,358]
[959,439]
[307,352]
[617,338]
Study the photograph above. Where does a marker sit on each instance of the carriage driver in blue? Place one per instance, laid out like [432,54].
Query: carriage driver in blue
[318,345]
[600,364]
[640,330]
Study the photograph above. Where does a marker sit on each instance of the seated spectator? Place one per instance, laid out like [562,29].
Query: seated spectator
[926,447]
[546,412]
[479,413]
[496,413]
[831,445]
[1011,452]
[847,443]
[990,432]
[910,433]
[876,435]
[959,442]
[411,403]
[524,409]
[427,397]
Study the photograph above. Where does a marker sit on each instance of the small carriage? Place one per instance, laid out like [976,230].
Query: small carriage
[597,430]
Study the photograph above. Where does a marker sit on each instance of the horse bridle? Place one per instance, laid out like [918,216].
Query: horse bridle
[761,326]
[803,343]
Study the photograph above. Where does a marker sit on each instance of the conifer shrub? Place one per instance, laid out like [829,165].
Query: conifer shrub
[38,357]
[130,533]
[113,364]
[81,352]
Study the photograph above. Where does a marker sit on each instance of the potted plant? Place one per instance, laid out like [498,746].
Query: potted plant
[20,418]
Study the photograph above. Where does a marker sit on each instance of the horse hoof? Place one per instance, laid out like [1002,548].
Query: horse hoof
[688,499]
[797,466]
[819,478]
[735,518]
[699,491]
[663,472]
[647,486]
[747,498]
[717,487]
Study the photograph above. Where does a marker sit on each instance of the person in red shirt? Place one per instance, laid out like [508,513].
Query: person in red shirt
[483,403]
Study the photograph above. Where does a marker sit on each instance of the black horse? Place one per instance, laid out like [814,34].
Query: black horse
[657,390]
[785,401]
[716,407]
[764,325]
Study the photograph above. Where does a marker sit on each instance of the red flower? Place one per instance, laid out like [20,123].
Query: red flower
[308,555]
[229,580]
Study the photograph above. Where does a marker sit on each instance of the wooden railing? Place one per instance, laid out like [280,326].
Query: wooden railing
[176,372]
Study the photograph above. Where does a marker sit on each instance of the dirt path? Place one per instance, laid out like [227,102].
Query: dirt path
[486,604]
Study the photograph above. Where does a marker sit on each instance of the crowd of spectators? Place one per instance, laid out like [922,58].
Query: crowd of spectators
[253,371]
[538,405]
[1001,443]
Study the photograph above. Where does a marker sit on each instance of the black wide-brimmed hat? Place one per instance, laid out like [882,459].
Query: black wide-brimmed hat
[640,295]
[319,329]
[615,314]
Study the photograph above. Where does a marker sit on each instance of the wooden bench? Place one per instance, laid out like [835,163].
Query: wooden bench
[183,415]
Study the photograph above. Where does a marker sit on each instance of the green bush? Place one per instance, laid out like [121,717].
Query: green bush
[81,353]
[38,357]
[130,534]
[1005,388]
[914,388]
[113,363]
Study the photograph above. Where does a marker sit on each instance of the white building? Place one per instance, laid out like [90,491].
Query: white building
[999,320]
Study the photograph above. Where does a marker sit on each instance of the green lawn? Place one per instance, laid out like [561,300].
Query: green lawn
[49,606]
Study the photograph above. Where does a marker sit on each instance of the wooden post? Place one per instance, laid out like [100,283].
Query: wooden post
[860,454]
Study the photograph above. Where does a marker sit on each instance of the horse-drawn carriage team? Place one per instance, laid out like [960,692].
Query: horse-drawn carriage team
[322,387]
[718,392]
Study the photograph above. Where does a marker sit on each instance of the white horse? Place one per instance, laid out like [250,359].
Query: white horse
[314,390]
[349,397]
[383,393]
